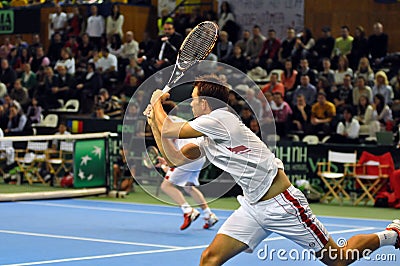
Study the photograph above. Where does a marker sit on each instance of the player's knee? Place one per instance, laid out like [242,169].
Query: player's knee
[210,257]
[164,185]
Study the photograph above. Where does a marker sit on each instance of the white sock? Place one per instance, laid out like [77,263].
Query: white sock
[207,213]
[186,208]
[387,237]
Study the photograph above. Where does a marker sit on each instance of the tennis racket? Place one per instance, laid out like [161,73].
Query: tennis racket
[196,47]
[150,158]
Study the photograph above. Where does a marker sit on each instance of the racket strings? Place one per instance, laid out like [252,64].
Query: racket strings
[198,44]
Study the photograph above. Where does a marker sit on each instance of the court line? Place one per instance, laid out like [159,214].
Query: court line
[152,251]
[153,212]
[87,239]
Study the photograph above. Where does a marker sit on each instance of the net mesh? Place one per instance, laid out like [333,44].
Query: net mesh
[56,166]
[198,44]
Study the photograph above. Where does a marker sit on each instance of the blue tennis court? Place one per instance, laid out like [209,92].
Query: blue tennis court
[87,232]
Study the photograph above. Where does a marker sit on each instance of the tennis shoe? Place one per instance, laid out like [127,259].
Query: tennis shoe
[395,226]
[210,221]
[188,218]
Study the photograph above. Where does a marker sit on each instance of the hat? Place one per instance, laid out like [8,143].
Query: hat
[257,73]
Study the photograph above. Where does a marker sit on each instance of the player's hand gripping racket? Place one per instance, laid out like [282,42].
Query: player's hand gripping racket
[196,47]
[150,158]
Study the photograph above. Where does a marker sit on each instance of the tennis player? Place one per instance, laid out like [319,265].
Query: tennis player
[186,176]
[270,203]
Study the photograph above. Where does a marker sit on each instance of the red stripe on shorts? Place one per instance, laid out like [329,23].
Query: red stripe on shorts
[166,177]
[305,219]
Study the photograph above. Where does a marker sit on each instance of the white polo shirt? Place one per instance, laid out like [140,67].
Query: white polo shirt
[234,148]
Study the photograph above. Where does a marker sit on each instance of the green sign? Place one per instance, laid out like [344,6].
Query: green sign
[89,163]
[6,21]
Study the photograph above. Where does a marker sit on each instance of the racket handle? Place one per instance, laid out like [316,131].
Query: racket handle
[166,89]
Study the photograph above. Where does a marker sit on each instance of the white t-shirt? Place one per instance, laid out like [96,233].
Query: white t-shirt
[106,63]
[234,148]
[95,26]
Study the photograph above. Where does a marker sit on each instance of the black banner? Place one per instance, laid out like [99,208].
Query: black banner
[19,21]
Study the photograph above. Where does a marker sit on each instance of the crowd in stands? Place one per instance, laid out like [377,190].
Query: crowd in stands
[331,85]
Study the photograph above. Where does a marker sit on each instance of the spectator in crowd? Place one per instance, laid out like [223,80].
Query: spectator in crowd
[129,88]
[304,45]
[327,72]
[12,58]
[95,26]
[75,22]
[323,85]
[20,94]
[364,115]
[58,21]
[73,45]
[348,129]
[46,90]
[242,43]
[383,87]
[181,20]
[342,70]
[378,44]
[34,45]
[121,170]
[282,114]
[364,69]
[286,49]
[237,59]
[108,66]
[23,59]
[17,124]
[165,18]
[62,130]
[146,44]
[88,87]
[306,70]
[234,103]
[65,84]
[6,47]
[85,49]
[306,89]
[7,74]
[255,127]
[115,22]
[34,111]
[99,114]
[359,48]
[361,89]
[344,95]
[55,47]
[254,45]
[381,111]
[324,46]
[395,83]
[322,114]
[246,115]
[115,45]
[274,85]
[67,60]
[20,44]
[130,48]
[39,60]
[226,21]
[28,79]
[288,79]
[133,70]
[164,51]
[110,104]
[301,114]
[195,18]
[224,47]
[10,159]
[269,52]
[343,43]
[254,103]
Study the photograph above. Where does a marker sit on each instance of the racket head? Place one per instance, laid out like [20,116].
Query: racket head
[197,45]
[150,158]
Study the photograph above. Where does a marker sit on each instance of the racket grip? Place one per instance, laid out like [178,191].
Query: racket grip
[166,89]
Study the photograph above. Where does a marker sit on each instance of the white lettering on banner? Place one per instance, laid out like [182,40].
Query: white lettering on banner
[272,14]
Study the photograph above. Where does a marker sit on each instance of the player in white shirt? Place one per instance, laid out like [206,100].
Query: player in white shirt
[186,176]
[270,203]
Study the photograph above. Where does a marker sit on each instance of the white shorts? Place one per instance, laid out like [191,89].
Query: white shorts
[181,177]
[287,214]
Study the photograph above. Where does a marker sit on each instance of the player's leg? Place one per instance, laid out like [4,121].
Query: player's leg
[116,175]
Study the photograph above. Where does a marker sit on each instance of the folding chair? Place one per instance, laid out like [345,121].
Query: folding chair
[311,139]
[371,175]
[334,181]
[34,156]
[61,159]
[7,154]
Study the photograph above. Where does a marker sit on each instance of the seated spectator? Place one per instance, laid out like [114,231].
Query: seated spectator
[282,114]
[285,52]
[7,74]
[254,103]
[115,46]
[304,69]
[121,170]
[254,46]
[395,83]
[63,89]
[87,88]
[242,43]
[369,124]
[359,47]
[23,59]
[322,114]
[301,115]
[129,89]
[269,53]
[347,130]
[110,104]
[73,45]
[34,111]
[9,154]
[85,49]
[288,78]
[145,45]
[327,72]
[18,123]
[66,60]
[344,95]
[324,45]
[100,113]
[273,85]
[133,69]
[246,115]
[378,44]
[237,59]
[20,94]
[234,102]
[382,87]
[304,45]
[224,47]
[34,45]
[342,70]
[39,60]
[46,90]
[360,89]
[364,70]
[130,48]
[255,127]
[382,112]
[306,89]
[343,43]
[6,47]
[108,66]
[55,47]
